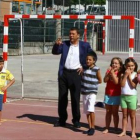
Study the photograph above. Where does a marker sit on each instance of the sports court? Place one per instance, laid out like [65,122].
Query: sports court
[33,120]
[32,117]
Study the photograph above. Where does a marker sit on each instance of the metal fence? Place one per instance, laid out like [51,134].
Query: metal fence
[36,68]
[118,31]
[45,31]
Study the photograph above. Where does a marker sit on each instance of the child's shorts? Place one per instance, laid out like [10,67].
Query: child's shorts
[88,103]
[1,101]
[129,101]
[112,100]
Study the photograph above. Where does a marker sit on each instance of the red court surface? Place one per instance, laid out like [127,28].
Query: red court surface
[33,120]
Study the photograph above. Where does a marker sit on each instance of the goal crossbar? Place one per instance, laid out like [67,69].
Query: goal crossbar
[131,20]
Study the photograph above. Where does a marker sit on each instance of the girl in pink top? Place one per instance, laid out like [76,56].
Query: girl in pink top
[112,92]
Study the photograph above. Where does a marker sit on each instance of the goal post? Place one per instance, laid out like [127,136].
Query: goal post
[131,20]
[103,32]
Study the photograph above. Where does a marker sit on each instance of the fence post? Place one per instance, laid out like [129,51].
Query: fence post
[58,26]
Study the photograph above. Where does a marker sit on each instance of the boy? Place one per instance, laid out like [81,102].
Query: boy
[89,86]
[4,76]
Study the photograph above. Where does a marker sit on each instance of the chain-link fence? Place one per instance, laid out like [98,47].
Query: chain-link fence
[43,33]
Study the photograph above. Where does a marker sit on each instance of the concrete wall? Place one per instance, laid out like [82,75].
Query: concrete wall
[31,48]
[41,48]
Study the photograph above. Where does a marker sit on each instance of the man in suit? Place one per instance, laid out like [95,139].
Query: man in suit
[73,60]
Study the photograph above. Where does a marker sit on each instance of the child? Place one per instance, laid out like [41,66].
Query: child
[129,95]
[138,79]
[112,93]
[89,87]
[4,75]
[138,76]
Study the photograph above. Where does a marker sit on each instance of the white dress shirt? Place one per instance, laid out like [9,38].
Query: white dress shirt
[72,60]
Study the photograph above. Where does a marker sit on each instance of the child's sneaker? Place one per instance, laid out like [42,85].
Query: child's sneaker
[91,131]
[86,132]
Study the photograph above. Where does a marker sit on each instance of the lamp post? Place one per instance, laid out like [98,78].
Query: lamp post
[45,6]
[44,39]
[0,11]
[52,4]
[79,13]
[32,4]
[63,21]
[63,7]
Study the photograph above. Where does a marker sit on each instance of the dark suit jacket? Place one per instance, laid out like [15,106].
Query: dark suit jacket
[63,49]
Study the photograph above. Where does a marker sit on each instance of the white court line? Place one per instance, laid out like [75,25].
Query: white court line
[55,107]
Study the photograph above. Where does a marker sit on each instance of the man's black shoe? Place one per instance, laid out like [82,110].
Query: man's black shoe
[58,124]
[77,125]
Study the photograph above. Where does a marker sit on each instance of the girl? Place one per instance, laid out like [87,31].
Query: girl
[89,88]
[112,92]
[138,78]
[129,95]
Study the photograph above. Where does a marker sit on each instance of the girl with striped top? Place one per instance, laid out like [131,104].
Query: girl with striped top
[89,88]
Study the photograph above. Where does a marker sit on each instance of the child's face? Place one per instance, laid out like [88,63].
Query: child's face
[1,65]
[90,61]
[115,64]
[130,66]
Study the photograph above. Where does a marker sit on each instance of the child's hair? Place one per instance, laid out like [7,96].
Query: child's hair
[93,54]
[1,59]
[120,62]
[130,60]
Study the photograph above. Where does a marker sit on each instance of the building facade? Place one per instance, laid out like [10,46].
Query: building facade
[20,7]
[4,9]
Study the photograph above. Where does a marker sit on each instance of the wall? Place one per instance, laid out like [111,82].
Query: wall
[4,9]
[31,48]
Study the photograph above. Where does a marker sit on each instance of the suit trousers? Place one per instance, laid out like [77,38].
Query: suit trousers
[69,80]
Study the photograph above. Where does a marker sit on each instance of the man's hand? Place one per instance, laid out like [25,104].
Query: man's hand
[58,41]
[80,71]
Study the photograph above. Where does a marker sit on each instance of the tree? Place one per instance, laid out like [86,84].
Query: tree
[89,2]
[100,2]
[60,2]
[86,2]
[48,3]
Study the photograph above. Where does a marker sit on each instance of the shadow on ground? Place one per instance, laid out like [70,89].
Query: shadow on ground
[51,120]
[47,119]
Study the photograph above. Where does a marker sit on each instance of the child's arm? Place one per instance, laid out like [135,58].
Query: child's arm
[114,77]
[107,75]
[8,85]
[124,77]
[123,80]
[138,72]
[99,77]
[133,83]
[138,76]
